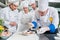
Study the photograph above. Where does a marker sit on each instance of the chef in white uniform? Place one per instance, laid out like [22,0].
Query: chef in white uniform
[25,17]
[33,7]
[47,19]
[10,15]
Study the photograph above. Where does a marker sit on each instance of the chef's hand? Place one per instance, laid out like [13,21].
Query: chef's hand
[30,25]
[13,23]
[42,30]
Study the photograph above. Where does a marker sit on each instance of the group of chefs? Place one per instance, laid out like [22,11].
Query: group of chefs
[42,19]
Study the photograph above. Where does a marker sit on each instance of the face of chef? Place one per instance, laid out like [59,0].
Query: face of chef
[33,5]
[42,13]
[25,9]
[13,6]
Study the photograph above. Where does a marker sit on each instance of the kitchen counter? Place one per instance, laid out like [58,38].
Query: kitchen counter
[41,37]
[18,36]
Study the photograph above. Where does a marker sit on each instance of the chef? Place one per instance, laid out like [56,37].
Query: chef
[25,17]
[10,15]
[34,7]
[47,19]
[33,4]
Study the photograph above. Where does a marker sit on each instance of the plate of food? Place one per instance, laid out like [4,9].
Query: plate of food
[26,33]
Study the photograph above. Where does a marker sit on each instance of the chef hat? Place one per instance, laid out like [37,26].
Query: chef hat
[11,1]
[24,4]
[32,1]
[16,2]
[43,5]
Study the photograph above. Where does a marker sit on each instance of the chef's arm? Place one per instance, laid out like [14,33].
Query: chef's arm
[3,16]
[35,22]
[55,22]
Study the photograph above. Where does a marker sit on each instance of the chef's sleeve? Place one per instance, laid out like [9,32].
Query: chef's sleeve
[55,21]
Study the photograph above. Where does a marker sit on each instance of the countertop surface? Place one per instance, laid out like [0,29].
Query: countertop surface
[42,37]
[19,36]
